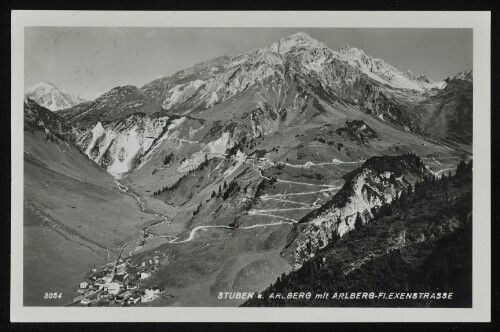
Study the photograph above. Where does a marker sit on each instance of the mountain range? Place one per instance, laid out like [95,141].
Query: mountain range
[293,140]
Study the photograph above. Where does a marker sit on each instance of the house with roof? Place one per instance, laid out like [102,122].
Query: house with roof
[85,301]
[150,295]
[115,287]
[134,299]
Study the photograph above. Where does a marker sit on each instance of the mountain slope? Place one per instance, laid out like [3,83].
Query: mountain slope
[37,117]
[448,114]
[119,146]
[281,76]
[73,181]
[214,81]
[51,97]
[74,212]
[417,244]
[293,85]
[378,181]
[260,159]
[114,104]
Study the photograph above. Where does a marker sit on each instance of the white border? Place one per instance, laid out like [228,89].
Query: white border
[479,21]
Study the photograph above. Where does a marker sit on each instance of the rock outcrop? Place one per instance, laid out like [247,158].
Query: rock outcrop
[379,180]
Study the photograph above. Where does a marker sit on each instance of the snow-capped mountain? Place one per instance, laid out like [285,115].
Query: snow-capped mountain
[213,82]
[379,70]
[52,97]
[293,81]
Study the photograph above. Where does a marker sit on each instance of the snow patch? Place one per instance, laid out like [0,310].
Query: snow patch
[213,100]
[180,93]
[213,149]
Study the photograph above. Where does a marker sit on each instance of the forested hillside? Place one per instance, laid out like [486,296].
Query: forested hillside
[421,242]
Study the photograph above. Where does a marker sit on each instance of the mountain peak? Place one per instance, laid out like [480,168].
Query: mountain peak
[420,78]
[127,88]
[348,50]
[300,36]
[119,92]
[383,72]
[346,47]
[50,96]
[41,85]
[464,75]
[299,40]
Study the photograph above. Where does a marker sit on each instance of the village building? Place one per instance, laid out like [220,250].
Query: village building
[134,300]
[99,284]
[150,294]
[114,288]
[120,299]
[85,301]
[103,295]
[126,294]
[131,286]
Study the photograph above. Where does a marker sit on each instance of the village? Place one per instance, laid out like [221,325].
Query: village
[118,284]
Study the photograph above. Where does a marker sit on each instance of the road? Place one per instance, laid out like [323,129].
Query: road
[197,228]
[310,163]
[118,258]
[264,197]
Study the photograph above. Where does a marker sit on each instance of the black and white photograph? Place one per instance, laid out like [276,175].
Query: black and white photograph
[249,166]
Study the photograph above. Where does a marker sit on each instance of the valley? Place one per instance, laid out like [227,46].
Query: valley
[227,174]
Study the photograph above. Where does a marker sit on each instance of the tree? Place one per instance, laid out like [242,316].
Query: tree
[168,159]
[461,169]
[195,212]
[403,199]
[358,223]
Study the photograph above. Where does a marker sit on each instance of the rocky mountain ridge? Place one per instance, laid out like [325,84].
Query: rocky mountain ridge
[293,81]
[37,117]
[377,182]
[114,104]
[448,114]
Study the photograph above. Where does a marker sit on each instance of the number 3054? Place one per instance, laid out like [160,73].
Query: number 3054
[50,296]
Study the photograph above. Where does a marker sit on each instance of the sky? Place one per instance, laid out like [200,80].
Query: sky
[92,60]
